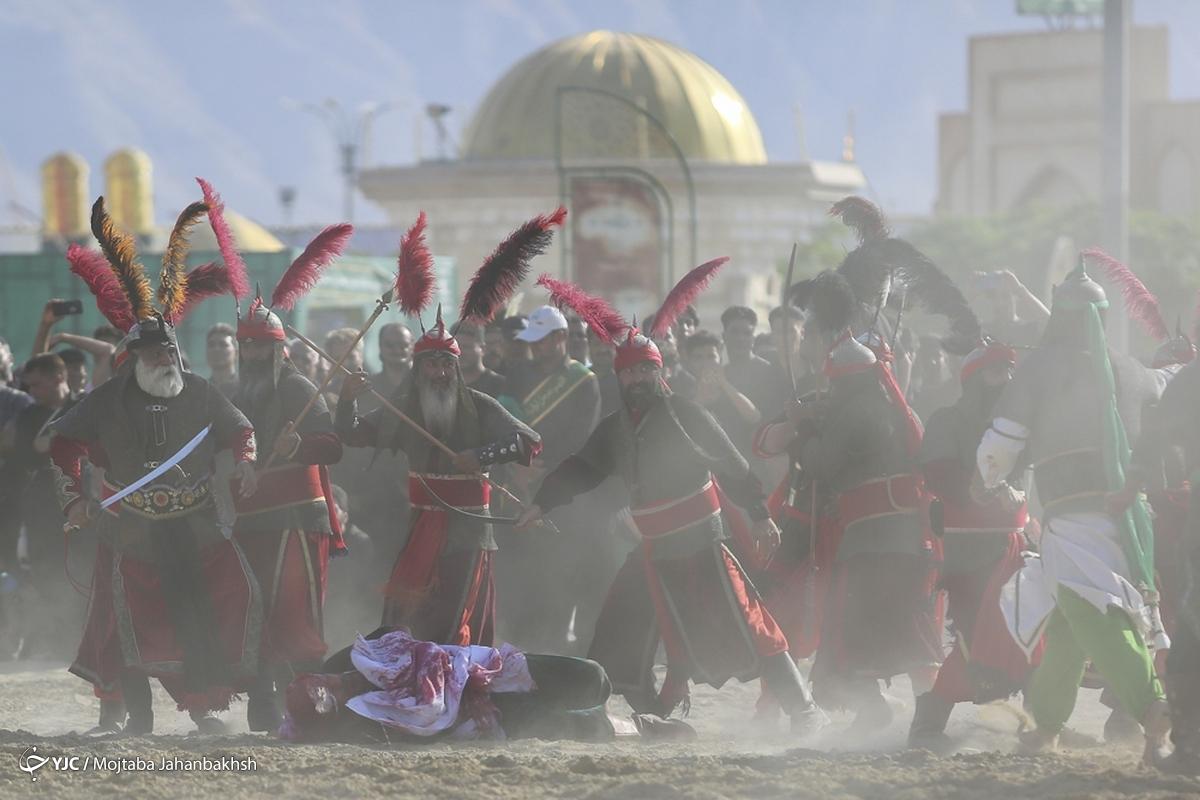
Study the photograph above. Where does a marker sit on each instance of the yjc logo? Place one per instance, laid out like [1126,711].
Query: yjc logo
[29,761]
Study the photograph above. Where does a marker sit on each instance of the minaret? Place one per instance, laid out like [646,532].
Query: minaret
[848,139]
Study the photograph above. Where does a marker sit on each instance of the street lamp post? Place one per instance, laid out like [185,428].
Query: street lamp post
[1115,145]
[351,132]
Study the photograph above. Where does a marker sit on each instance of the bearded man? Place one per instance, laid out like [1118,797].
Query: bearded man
[172,597]
[286,528]
[441,587]
[706,611]
[1072,408]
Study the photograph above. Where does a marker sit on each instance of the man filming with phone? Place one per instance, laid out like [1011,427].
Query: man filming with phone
[1009,311]
[76,346]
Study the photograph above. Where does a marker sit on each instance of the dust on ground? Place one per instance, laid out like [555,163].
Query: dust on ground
[43,706]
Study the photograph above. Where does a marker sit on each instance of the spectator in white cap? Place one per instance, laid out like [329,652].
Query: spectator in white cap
[560,399]
[542,323]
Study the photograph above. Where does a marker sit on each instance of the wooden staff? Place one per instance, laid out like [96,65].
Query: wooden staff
[380,306]
[433,440]
[810,584]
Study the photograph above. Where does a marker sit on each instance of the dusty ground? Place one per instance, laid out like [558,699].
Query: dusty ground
[44,706]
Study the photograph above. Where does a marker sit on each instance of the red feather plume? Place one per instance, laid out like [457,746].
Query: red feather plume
[863,216]
[93,267]
[414,270]
[306,270]
[1140,304]
[683,294]
[599,316]
[239,282]
[504,270]
[205,281]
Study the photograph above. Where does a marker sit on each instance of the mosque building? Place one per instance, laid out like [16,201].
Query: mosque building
[654,153]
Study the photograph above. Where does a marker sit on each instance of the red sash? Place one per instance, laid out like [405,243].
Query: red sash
[895,494]
[461,491]
[664,517]
[973,518]
[292,485]
[281,487]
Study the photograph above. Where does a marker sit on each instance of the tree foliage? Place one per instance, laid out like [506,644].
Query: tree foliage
[1164,251]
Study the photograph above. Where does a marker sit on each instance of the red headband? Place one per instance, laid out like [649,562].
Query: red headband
[635,349]
[437,340]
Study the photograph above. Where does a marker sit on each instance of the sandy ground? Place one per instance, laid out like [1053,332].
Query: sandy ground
[43,706]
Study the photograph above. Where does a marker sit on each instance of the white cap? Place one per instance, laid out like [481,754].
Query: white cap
[542,322]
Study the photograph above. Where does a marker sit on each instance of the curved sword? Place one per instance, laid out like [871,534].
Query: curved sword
[785,304]
[445,504]
[161,469]
[158,471]
[437,498]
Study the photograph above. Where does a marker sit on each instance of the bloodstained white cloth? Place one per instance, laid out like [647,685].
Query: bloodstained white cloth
[423,686]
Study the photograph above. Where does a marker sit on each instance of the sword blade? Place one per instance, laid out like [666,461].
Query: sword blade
[785,303]
[161,469]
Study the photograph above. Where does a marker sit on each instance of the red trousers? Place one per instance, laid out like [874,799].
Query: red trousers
[985,664]
[446,598]
[292,568]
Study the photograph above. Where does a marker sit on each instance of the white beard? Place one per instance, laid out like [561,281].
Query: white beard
[438,409]
[159,381]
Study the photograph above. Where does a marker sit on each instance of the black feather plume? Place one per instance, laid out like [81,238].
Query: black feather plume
[507,267]
[935,292]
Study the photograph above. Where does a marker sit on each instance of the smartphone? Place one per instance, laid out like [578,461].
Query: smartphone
[66,308]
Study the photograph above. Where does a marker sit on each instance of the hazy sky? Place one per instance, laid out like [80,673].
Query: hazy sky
[199,86]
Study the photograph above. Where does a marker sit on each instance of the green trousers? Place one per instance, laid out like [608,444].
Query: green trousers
[1077,632]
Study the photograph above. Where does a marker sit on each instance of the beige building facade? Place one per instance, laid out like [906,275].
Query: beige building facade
[1031,133]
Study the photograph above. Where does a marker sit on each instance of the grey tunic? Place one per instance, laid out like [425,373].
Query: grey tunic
[481,421]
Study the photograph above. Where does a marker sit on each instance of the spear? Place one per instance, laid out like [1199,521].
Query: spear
[383,401]
[380,306]
[786,303]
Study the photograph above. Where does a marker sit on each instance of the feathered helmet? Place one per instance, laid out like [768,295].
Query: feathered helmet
[123,295]
[884,267]
[1078,291]
[436,340]
[609,326]
[1142,307]
[490,289]
[636,348]
[260,322]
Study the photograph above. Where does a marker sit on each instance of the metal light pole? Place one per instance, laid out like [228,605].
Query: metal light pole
[351,132]
[1115,147]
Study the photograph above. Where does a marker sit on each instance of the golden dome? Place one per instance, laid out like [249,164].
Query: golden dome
[249,235]
[702,110]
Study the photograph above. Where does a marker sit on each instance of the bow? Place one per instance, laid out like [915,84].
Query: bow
[437,498]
